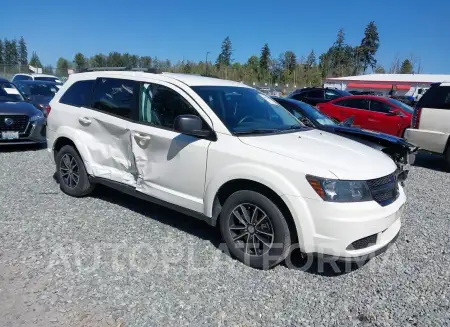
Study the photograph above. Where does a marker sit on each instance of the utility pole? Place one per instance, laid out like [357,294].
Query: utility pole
[206,63]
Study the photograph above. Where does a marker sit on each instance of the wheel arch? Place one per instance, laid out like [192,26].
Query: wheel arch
[239,184]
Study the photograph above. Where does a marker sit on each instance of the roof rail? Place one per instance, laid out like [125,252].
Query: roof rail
[135,69]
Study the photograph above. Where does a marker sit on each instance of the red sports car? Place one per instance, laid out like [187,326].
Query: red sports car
[371,112]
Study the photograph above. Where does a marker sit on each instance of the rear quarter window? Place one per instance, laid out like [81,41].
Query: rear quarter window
[437,97]
[79,94]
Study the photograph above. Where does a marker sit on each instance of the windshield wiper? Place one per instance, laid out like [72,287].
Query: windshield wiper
[256,131]
[291,127]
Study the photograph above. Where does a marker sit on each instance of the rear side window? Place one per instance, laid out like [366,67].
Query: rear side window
[79,94]
[353,103]
[437,97]
[48,79]
[118,97]
[331,95]
[22,78]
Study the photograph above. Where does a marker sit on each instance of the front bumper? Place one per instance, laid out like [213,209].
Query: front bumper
[333,229]
[35,133]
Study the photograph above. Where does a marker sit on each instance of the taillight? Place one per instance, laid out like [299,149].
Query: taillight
[47,109]
[416,117]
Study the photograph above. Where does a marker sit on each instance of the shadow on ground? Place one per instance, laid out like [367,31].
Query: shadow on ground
[21,147]
[193,226]
[431,161]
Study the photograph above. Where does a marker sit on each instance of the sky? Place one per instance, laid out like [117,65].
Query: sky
[178,30]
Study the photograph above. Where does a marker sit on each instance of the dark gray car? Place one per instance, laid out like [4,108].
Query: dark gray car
[39,93]
[20,121]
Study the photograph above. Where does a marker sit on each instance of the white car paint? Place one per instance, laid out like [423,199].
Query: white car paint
[433,131]
[36,77]
[188,172]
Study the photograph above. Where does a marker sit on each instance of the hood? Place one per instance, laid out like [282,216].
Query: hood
[18,108]
[383,139]
[345,158]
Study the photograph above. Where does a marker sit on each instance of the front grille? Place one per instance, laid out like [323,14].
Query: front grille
[363,243]
[19,123]
[384,190]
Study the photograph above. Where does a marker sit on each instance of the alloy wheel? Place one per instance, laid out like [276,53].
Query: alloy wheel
[69,170]
[251,229]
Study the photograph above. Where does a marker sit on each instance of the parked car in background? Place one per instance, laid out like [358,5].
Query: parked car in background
[37,77]
[38,92]
[230,155]
[269,91]
[20,121]
[366,93]
[315,95]
[430,128]
[376,113]
[402,152]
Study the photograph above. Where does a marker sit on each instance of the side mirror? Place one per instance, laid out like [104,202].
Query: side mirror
[191,125]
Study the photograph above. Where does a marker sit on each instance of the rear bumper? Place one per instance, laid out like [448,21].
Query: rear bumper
[36,135]
[427,140]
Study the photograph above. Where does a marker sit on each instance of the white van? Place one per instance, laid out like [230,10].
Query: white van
[431,121]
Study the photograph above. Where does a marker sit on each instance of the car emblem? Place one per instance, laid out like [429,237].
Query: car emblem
[9,121]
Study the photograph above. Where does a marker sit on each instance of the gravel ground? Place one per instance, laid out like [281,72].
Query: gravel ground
[111,260]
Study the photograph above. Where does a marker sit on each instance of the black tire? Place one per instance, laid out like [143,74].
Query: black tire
[255,252]
[83,185]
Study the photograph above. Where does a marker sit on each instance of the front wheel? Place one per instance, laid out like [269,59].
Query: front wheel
[255,229]
[71,173]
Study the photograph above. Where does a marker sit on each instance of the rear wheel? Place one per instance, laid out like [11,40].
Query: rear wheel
[255,230]
[71,173]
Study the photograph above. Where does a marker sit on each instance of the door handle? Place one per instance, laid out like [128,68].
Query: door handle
[84,121]
[142,138]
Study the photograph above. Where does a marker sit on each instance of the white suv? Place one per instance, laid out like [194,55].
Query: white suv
[228,154]
[431,121]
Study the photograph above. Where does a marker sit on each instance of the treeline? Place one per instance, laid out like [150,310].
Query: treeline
[341,59]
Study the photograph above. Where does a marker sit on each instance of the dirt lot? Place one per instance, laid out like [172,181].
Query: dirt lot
[109,259]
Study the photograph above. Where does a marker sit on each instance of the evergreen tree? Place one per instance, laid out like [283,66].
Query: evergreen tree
[224,59]
[80,61]
[23,52]
[2,53]
[62,66]
[289,61]
[35,61]
[264,59]
[98,60]
[406,67]
[380,70]
[369,46]
[311,60]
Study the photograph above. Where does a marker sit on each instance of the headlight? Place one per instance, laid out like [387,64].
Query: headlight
[36,117]
[335,190]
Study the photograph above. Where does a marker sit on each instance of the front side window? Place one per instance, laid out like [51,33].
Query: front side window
[79,94]
[402,105]
[160,105]
[245,110]
[116,96]
[9,93]
[380,106]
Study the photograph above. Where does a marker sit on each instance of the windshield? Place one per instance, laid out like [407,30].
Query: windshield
[9,93]
[314,114]
[345,93]
[49,79]
[402,105]
[245,110]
